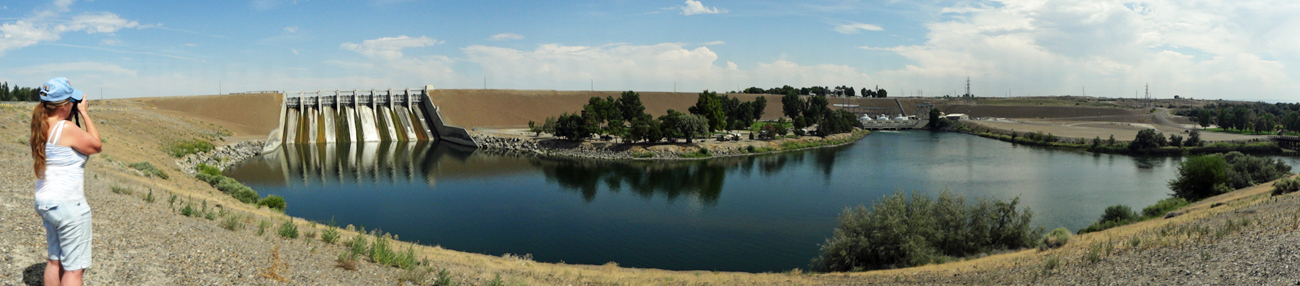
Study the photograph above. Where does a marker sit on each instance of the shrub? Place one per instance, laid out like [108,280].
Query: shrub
[273,201]
[148,169]
[444,278]
[288,230]
[357,244]
[1205,176]
[1113,216]
[348,260]
[246,195]
[1163,206]
[380,252]
[900,232]
[212,180]
[1288,185]
[232,223]
[1118,213]
[206,169]
[1201,177]
[1250,170]
[330,234]
[185,147]
[120,190]
[1056,238]
[149,197]
[262,226]
[229,185]
[188,210]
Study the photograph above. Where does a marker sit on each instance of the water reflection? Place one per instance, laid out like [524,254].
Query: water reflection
[331,163]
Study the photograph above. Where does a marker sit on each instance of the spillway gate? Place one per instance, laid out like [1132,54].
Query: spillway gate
[345,116]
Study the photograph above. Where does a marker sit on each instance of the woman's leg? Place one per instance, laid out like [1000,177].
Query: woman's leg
[73,278]
[53,273]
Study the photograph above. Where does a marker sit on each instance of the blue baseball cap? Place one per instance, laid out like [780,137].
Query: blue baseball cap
[58,89]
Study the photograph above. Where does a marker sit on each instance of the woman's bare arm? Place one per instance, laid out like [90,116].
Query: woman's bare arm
[85,142]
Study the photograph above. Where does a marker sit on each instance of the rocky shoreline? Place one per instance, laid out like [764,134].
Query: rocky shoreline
[541,147]
[221,157]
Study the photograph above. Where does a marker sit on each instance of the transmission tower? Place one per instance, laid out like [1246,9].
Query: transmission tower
[968,87]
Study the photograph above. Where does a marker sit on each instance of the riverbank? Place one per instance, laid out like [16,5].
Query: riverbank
[554,147]
[1252,146]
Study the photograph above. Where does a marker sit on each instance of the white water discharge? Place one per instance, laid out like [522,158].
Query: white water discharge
[291,126]
[350,123]
[327,124]
[366,118]
[312,124]
[387,122]
[408,127]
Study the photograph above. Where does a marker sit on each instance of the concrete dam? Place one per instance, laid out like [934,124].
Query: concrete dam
[362,116]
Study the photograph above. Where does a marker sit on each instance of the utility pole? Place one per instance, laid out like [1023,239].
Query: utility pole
[218,88]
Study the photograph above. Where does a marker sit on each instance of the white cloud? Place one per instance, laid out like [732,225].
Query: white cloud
[293,29]
[693,7]
[855,27]
[641,67]
[388,48]
[715,43]
[295,51]
[110,42]
[37,28]
[51,69]
[506,36]
[1203,50]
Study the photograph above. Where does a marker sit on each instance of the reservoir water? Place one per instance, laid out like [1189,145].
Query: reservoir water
[755,214]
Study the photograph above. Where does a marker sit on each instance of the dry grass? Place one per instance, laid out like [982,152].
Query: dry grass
[277,266]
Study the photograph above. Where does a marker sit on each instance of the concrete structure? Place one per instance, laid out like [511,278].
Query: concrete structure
[363,116]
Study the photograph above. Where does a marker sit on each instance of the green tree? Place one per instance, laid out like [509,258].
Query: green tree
[1194,139]
[693,126]
[760,104]
[629,105]
[644,128]
[1146,139]
[792,105]
[573,127]
[669,124]
[709,105]
[1201,177]
[817,107]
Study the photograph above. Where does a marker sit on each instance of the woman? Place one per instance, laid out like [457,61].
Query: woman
[60,154]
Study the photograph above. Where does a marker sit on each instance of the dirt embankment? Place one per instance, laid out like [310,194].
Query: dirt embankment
[246,115]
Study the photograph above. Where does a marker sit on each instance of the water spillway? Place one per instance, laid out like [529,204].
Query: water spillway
[354,116]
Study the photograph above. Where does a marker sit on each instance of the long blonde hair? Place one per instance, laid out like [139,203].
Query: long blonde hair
[40,133]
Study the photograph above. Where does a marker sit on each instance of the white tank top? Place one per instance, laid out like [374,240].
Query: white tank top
[65,170]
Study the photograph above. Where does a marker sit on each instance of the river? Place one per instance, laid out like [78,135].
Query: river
[755,214]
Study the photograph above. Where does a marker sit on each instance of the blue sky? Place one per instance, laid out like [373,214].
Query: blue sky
[1202,49]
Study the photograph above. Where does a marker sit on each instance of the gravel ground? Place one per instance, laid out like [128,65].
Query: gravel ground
[150,244]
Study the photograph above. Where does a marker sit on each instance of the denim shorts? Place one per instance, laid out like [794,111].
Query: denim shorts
[67,232]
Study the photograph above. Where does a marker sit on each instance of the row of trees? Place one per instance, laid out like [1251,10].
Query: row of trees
[816,110]
[626,118]
[819,90]
[1255,117]
[15,93]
